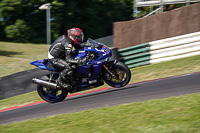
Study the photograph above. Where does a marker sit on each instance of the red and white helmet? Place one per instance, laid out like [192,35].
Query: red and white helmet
[76,35]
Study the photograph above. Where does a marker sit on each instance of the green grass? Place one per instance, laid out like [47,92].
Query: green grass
[144,73]
[16,57]
[170,115]
[166,69]
[26,51]
[23,99]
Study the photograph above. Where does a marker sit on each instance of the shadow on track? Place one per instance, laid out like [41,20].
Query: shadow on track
[9,53]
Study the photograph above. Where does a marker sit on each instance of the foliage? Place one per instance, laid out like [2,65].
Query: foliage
[18,32]
[95,17]
[142,11]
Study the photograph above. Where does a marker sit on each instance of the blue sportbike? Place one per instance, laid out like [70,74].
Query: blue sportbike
[89,75]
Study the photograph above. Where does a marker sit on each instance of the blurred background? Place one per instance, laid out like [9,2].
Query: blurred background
[145,33]
[22,21]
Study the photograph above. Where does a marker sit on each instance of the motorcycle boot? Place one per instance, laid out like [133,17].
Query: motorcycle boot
[62,84]
[61,81]
[71,79]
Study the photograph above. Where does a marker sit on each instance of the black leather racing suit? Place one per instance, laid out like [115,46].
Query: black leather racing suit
[59,56]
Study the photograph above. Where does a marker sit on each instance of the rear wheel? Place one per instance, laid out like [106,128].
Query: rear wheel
[121,72]
[51,95]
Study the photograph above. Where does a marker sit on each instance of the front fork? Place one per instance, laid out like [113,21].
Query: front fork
[113,76]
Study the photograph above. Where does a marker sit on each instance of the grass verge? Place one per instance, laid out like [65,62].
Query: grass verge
[166,69]
[170,115]
[16,57]
[139,74]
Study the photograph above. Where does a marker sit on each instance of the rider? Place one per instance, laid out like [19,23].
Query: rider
[59,55]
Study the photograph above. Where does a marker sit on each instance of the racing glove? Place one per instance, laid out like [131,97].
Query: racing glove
[84,60]
[78,61]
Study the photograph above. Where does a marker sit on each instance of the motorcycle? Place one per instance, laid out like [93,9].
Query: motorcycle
[89,75]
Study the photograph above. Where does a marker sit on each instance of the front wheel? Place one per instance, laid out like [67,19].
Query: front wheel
[121,72]
[51,95]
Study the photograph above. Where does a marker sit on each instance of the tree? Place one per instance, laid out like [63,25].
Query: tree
[95,17]
[19,32]
[24,13]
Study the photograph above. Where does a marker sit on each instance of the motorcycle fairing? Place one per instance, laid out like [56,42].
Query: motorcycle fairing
[104,54]
[43,64]
[103,50]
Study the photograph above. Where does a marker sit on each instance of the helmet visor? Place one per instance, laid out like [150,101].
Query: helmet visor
[80,38]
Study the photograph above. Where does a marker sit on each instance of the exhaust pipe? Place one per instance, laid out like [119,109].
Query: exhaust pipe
[45,83]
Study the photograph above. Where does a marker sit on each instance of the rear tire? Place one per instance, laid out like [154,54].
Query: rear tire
[51,95]
[121,71]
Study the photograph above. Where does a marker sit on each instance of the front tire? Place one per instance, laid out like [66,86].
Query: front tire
[51,95]
[121,71]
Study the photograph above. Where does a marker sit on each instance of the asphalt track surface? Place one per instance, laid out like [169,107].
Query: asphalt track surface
[19,83]
[156,89]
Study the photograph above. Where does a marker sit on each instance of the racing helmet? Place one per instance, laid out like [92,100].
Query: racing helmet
[76,35]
